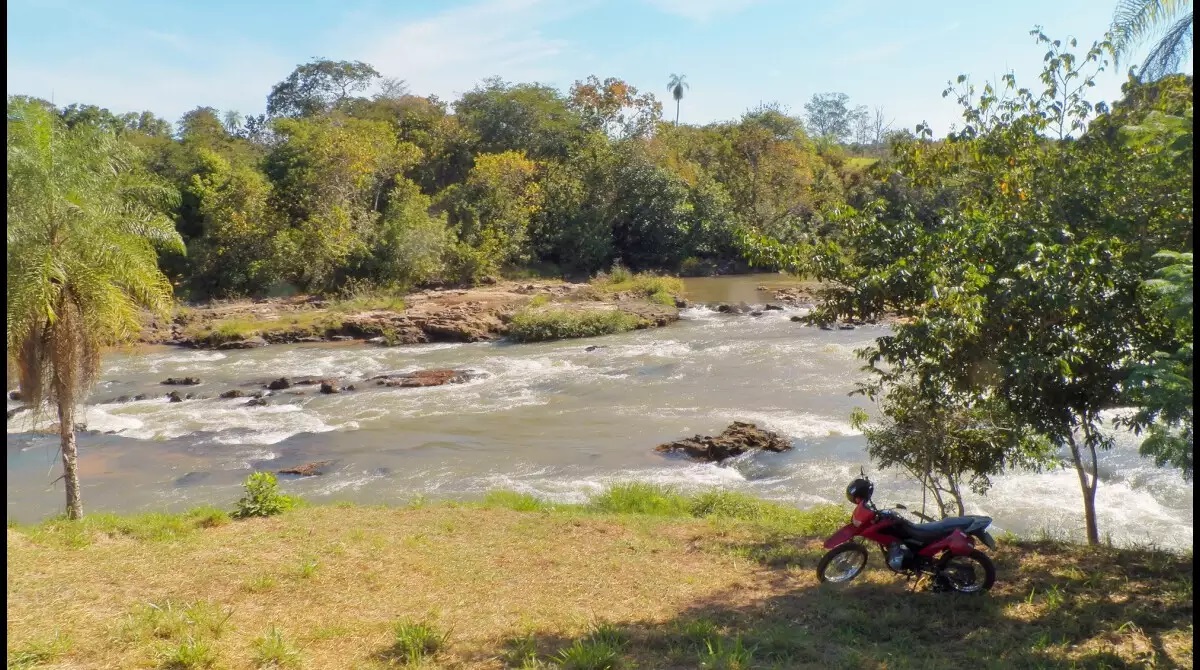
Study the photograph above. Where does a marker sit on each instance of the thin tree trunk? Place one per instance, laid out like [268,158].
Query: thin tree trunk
[1088,488]
[676,113]
[70,457]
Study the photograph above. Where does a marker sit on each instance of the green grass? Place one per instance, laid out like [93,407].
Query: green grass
[272,650]
[300,323]
[711,579]
[655,288]
[150,526]
[539,325]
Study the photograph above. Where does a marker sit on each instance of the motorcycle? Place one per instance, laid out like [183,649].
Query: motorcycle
[944,551]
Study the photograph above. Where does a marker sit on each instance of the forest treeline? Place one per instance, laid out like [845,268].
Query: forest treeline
[335,190]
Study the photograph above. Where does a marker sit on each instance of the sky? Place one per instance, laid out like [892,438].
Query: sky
[170,56]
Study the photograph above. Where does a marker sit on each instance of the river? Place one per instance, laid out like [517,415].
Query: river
[553,419]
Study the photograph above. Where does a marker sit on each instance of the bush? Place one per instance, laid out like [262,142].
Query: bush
[416,641]
[271,650]
[590,655]
[263,497]
[539,326]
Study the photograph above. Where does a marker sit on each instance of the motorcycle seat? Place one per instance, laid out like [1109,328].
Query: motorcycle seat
[927,532]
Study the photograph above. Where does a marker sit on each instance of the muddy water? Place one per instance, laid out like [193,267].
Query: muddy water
[552,419]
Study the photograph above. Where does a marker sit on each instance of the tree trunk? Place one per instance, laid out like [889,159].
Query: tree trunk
[1088,487]
[70,457]
[676,113]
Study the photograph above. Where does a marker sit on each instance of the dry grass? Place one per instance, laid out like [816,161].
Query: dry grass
[353,587]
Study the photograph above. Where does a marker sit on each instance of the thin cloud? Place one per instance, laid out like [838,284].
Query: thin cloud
[700,10]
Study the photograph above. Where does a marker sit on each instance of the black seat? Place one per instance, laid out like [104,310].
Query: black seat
[928,532]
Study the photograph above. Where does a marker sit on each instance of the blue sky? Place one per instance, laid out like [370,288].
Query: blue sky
[171,56]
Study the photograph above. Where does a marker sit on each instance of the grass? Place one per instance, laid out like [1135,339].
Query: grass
[299,323]
[655,288]
[639,576]
[539,325]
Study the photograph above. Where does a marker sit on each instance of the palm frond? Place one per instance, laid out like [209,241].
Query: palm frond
[1135,20]
[1169,51]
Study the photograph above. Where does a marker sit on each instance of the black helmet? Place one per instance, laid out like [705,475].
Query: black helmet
[859,490]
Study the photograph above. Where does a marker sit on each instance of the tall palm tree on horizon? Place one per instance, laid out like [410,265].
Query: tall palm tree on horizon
[676,86]
[1136,20]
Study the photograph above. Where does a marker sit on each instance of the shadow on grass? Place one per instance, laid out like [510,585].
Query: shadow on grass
[1054,606]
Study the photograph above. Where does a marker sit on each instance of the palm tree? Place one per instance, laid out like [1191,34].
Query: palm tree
[84,226]
[1136,20]
[676,86]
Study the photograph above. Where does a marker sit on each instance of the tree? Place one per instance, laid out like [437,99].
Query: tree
[319,87]
[949,441]
[528,118]
[84,225]
[492,210]
[1019,265]
[614,108]
[829,116]
[1137,20]
[676,85]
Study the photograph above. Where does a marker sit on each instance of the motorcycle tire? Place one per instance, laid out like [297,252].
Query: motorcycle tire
[853,552]
[976,586]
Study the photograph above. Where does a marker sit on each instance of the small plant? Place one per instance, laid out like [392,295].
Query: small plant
[260,583]
[718,655]
[39,652]
[188,655]
[590,655]
[308,567]
[521,651]
[539,300]
[606,633]
[271,650]
[416,641]
[262,497]
[697,634]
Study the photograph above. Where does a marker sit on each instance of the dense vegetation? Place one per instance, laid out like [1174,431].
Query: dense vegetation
[332,191]
[1039,255]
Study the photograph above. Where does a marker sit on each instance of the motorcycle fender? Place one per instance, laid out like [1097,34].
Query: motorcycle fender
[847,533]
[960,544]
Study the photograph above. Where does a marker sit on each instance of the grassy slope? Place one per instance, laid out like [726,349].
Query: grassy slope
[721,581]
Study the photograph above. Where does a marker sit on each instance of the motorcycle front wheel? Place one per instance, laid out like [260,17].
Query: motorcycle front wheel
[973,573]
[843,563]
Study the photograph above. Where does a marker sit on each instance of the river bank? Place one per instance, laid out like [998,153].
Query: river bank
[631,576]
[478,314]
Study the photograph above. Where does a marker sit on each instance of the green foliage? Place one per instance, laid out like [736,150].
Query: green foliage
[946,442]
[416,641]
[39,652]
[189,654]
[520,502]
[539,325]
[262,497]
[640,498]
[1045,320]
[318,87]
[590,655]
[272,650]
[722,654]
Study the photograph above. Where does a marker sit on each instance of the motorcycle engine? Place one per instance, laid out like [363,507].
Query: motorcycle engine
[900,557]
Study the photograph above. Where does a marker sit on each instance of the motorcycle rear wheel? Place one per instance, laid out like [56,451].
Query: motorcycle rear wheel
[843,563]
[972,573]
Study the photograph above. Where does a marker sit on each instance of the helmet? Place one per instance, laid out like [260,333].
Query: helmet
[859,490]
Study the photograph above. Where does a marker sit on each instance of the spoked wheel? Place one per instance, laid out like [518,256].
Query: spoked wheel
[973,573]
[843,563]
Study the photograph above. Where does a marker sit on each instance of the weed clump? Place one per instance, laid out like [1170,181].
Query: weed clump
[263,497]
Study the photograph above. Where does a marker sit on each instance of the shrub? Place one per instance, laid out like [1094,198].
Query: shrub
[262,497]
[416,641]
[539,326]
[590,655]
[271,650]
[188,655]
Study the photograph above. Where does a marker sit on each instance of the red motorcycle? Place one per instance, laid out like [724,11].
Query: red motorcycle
[943,550]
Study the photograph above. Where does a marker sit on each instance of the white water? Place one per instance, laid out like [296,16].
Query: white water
[554,420]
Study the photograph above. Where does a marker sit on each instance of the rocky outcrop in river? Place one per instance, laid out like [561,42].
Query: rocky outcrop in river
[735,440]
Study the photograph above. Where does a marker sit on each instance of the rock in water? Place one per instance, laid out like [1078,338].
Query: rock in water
[173,396]
[280,384]
[330,387]
[181,381]
[737,439]
[422,378]
[233,393]
[306,470]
